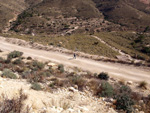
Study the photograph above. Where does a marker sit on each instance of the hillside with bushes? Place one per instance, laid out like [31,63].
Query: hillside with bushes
[50,87]
[49,16]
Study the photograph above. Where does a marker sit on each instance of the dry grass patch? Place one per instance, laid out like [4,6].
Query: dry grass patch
[77,42]
[14,105]
[123,41]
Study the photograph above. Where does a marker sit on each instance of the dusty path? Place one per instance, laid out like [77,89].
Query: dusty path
[122,54]
[116,70]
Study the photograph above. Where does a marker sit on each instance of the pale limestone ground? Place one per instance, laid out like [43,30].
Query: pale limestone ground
[61,101]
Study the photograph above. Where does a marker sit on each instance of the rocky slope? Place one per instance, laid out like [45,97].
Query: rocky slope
[49,16]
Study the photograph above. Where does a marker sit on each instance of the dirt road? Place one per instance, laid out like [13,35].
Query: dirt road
[117,70]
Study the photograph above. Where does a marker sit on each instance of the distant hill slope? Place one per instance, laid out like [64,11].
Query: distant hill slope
[56,15]
[9,8]
[133,14]
[52,16]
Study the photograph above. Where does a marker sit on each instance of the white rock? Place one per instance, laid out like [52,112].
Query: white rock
[71,110]
[51,64]
[129,82]
[72,89]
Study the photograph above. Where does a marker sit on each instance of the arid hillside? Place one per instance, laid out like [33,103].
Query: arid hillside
[49,16]
[134,14]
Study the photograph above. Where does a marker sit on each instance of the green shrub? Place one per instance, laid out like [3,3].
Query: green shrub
[8,74]
[38,65]
[125,89]
[103,76]
[18,61]
[26,74]
[106,90]
[46,74]
[14,54]
[36,86]
[124,102]
[61,68]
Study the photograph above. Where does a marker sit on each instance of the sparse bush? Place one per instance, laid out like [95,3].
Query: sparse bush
[125,90]
[103,76]
[36,86]
[122,82]
[46,74]
[95,74]
[106,90]
[36,76]
[7,61]
[124,102]
[143,84]
[51,85]
[18,61]
[1,60]
[26,74]
[78,80]
[57,82]
[38,65]
[94,86]
[61,68]
[146,108]
[29,58]
[14,105]
[14,54]
[8,74]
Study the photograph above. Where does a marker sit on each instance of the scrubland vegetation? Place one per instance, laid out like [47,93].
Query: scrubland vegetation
[130,43]
[76,42]
[39,73]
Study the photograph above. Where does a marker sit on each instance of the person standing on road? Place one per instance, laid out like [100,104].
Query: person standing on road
[74,55]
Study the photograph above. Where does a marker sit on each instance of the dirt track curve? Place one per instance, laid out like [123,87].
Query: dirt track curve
[126,72]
